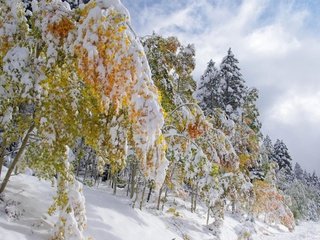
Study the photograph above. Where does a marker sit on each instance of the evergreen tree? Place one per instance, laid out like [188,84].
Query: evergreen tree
[298,172]
[250,110]
[209,90]
[267,150]
[282,157]
[314,179]
[232,84]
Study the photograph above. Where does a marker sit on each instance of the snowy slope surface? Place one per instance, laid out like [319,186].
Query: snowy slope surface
[112,218]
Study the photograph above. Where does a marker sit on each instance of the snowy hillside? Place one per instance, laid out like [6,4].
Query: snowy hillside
[111,217]
[160,154]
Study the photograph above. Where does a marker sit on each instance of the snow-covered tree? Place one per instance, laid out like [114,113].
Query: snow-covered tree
[232,84]
[85,75]
[250,110]
[72,219]
[298,171]
[282,157]
[209,90]
[271,205]
[225,89]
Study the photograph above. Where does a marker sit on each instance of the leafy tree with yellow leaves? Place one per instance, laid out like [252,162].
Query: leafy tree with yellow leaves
[85,74]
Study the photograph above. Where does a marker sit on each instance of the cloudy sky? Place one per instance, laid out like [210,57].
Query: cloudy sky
[277,43]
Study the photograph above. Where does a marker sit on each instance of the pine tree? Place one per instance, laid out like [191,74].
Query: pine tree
[209,91]
[250,110]
[266,151]
[314,179]
[282,157]
[232,84]
[298,172]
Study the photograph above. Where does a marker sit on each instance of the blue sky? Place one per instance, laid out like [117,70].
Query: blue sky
[278,45]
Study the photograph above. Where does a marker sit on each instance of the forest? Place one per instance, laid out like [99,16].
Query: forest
[85,101]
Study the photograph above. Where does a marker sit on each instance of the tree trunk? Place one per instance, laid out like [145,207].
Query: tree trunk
[16,159]
[192,200]
[128,184]
[165,198]
[208,214]
[78,167]
[16,170]
[150,191]
[133,176]
[159,197]
[195,197]
[2,152]
[85,170]
[142,196]
[115,179]
[136,198]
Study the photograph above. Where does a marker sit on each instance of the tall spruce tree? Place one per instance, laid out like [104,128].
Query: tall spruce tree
[298,172]
[250,110]
[209,89]
[232,83]
[282,157]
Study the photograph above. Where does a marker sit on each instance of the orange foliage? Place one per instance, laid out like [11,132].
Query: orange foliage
[119,66]
[62,28]
[271,204]
[197,128]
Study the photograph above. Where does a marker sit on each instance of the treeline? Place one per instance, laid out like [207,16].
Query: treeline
[82,97]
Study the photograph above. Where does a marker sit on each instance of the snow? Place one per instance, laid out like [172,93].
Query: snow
[108,216]
[111,217]
[304,231]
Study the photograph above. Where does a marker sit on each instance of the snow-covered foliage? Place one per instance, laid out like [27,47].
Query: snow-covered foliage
[209,89]
[223,88]
[72,214]
[75,76]
[281,156]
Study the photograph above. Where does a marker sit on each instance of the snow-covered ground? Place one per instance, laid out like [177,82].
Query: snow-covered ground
[112,218]
[304,231]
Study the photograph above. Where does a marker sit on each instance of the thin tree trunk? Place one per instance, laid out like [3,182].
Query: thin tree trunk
[208,214]
[2,152]
[133,176]
[78,167]
[195,197]
[192,199]
[16,159]
[86,170]
[165,198]
[150,191]
[96,173]
[142,196]
[136,198]
[128,187]
[115,179]
[159,197]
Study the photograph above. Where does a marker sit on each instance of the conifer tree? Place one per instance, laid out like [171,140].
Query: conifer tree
[250,110]
[232,84]
[209,90]
[282,157]
[298,172]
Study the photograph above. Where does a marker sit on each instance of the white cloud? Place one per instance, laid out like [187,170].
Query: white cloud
[271,40]
[294,109]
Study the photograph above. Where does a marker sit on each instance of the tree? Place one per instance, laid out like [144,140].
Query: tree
[272,205]
[85,75]
[209,90]
[282,157]
[298,172]
[232,84]
[250,111]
